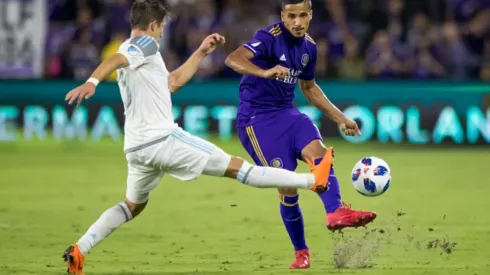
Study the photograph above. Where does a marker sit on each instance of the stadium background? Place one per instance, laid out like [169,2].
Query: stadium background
[413,73]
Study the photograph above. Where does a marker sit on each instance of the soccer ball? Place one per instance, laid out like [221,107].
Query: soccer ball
[371,176]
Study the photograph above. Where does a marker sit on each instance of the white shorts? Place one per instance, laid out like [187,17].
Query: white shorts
[179,154]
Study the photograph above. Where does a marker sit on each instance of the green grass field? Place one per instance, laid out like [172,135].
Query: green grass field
[51,192]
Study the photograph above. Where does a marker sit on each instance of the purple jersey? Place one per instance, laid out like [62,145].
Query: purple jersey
[273,46]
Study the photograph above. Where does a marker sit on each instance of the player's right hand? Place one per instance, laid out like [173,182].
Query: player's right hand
[349,127]
[80,93]
[210,43]
[276,72]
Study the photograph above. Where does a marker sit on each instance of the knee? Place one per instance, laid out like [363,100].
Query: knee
[314,150]
[135,208]
[288,191]
[234,167]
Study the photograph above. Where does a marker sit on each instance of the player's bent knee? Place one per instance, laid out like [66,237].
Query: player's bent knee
[234,167]
[288,191]
[135,208]
[314,150]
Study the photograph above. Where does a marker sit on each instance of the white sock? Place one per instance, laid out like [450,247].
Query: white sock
[269,177]
[111,219]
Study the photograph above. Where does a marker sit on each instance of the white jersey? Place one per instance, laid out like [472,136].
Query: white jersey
[145,93]
[153,143]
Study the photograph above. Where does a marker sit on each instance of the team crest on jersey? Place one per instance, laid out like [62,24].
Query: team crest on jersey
[277,163]
[133,51]
[304,59]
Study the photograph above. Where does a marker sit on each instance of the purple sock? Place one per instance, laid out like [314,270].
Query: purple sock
[331,198]
[293,220]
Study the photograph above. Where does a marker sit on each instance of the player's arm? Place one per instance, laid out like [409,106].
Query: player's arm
[87,90]
[241,59]
[317,98]
[240,62]
[108,66]
[133,55]
[178,78]
[314,93]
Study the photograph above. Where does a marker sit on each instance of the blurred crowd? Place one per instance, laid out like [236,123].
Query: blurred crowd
[356,39]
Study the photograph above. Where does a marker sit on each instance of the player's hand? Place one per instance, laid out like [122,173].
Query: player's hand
[80,93]
[210,43]
[349,128]
[276,72]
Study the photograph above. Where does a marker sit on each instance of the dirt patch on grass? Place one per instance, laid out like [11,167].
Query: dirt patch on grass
[360,251]
[357,251]
[444,245]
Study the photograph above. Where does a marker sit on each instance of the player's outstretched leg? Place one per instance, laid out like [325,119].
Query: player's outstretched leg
[268,177]
[109,221]
[339,215]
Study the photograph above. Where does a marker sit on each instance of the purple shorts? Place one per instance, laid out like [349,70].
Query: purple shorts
[278,140]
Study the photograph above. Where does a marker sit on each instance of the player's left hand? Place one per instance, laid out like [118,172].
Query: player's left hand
[80,93]
[349,127]
[210,43]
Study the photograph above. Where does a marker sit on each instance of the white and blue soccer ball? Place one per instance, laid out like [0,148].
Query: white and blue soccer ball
[371,176]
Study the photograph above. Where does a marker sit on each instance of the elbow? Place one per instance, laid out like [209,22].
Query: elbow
[229,61]
[172,83]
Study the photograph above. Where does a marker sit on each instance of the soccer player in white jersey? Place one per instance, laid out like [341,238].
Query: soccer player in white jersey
[154,145]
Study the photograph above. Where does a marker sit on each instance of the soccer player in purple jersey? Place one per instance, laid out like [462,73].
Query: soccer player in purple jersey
[274,132]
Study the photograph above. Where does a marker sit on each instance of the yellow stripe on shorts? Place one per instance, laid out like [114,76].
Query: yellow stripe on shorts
[256,146]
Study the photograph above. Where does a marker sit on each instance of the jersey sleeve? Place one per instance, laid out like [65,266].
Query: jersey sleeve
[261,44]
[310,68]
[138,50]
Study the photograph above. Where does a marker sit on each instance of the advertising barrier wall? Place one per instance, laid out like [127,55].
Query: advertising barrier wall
[22,36]
[394,112]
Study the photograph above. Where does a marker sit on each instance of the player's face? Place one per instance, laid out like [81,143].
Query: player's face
[157,30]
[297,18]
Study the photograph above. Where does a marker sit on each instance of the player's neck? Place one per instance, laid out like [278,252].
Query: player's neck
[290,36]
[138,32]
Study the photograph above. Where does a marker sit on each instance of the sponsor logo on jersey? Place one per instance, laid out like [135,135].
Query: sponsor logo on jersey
[304,59]
[133,51]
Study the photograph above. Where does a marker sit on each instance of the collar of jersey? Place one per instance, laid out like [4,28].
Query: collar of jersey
[158,44]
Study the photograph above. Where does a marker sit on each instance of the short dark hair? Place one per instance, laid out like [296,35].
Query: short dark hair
[143,12]
[294,2]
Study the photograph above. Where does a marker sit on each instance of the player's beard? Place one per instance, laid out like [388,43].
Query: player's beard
[299,32]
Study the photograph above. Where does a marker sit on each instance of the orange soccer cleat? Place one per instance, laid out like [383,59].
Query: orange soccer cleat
[322,171]
[75,259]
